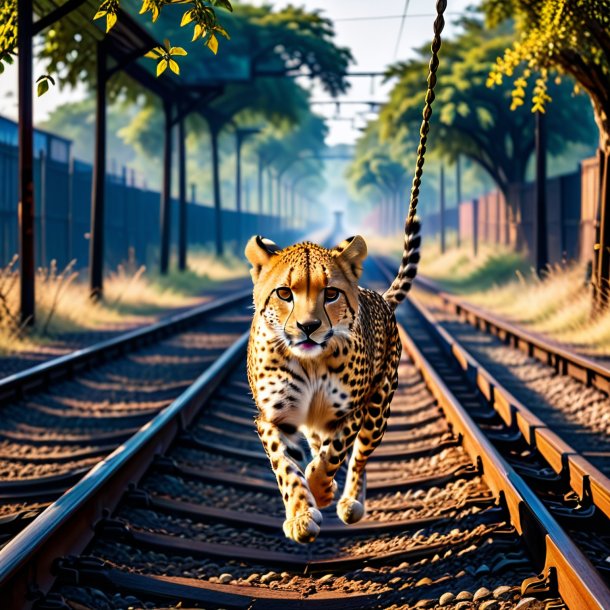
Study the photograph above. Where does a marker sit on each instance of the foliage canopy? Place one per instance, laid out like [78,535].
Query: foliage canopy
[474,120]
[568,36]
[200,13]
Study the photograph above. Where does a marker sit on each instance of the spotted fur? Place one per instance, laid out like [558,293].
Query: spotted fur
[322,361]
[401,285]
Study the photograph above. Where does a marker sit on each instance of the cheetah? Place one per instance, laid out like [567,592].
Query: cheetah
[322,361]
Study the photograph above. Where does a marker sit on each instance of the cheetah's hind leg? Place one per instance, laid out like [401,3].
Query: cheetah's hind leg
[350,507]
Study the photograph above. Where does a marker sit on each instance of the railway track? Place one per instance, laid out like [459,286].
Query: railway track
[560,393]
[58,419]
[186,511]
[555,462]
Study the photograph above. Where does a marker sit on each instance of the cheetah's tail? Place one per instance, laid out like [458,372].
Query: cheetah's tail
[401,285]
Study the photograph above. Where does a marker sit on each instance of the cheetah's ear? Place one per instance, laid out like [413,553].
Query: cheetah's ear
[352,251]
[258,251]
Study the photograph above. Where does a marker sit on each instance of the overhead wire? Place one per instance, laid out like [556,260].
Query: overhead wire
[388,17]
[401,28]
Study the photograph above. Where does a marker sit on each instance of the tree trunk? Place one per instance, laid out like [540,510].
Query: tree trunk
[601,259]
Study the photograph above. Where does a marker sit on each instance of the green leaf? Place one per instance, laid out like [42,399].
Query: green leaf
[174,67]
[177,51]
[8,59]
[1,67]
[161,67]
[186,18]
[43,87]
[212,44]
[51,79]
[225,4]
[222,32]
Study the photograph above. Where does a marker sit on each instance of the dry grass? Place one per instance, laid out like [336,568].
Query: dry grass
[558,305]
[459,271]
[132,295]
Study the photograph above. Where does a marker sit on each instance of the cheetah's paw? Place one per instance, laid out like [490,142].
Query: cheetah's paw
[304,527]
[350,510]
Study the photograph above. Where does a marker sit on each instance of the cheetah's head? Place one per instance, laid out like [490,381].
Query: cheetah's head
[307,294]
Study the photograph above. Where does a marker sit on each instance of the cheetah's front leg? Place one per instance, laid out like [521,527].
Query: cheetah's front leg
[322,469]
[303,519]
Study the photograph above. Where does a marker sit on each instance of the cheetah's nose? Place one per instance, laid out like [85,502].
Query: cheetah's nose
[310,327]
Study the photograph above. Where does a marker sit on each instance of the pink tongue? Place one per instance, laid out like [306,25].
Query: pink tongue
[308,344]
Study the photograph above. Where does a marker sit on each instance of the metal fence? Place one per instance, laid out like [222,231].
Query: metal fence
[515,225]
[63,210]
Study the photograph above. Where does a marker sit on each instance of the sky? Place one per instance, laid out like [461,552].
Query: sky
[372,30]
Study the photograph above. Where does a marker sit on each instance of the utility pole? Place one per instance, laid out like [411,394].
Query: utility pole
[96,238]
[542,255]
[259,185]
[475,227]
[216,180]
[27,262]
[458,196]
[166,192]
[182,220]
[442,208]
[241,134]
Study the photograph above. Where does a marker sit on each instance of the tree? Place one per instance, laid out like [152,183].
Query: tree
[198,14]
[571,38]
[476,121]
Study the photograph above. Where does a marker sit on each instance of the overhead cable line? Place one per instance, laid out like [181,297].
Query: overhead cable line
[401,28]
[388,17]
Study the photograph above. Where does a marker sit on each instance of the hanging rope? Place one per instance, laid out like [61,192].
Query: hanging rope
[439,24]
[401,285]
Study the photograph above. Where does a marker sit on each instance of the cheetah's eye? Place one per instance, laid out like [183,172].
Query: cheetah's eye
[285,294]
[331,295]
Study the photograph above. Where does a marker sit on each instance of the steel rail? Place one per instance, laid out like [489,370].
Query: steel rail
[583,477]
[578,582]
[562,359]
[64,528]
[37,377]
